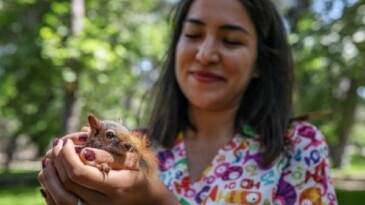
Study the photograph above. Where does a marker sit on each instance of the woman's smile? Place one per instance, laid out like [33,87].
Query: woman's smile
[206,77]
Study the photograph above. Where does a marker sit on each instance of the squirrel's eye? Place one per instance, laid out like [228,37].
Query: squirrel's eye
[110,135]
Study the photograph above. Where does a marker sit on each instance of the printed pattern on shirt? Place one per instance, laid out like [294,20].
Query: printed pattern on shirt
[236,176]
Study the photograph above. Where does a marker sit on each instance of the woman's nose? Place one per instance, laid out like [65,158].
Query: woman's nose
[208,52]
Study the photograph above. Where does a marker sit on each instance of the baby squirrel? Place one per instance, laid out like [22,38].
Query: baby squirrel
[118,140]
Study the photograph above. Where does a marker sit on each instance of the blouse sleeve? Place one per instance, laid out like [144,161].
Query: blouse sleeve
[306,175]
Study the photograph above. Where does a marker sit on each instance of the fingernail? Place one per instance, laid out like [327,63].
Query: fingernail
[83,137]
[44,163]
[64,142]
[78,149]
[43,193]
[89,155]
[55,142]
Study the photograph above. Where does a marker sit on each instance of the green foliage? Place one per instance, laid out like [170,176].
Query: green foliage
[28,101]
[357,159]
[117,51]
[329,57]
[358,135]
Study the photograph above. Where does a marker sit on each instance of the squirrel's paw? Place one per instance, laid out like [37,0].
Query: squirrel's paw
[103,167]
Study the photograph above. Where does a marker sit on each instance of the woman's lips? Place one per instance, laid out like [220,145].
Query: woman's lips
[205,77]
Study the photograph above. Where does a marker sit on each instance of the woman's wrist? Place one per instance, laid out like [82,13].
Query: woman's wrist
[161,195]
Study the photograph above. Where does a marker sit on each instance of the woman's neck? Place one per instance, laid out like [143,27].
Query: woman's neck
[212,124]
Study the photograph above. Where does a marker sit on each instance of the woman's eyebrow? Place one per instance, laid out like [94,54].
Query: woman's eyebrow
[195,21]
[232,27]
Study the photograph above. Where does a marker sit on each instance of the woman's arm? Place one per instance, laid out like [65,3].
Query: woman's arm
[66,178]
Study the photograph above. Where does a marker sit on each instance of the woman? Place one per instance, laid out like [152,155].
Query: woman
[221,118]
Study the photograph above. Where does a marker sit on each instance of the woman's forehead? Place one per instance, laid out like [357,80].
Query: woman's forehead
[220,13]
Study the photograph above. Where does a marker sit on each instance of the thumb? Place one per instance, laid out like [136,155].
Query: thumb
[85,129]
[101,158]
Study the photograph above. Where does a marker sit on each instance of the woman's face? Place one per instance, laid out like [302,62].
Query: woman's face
[216,54]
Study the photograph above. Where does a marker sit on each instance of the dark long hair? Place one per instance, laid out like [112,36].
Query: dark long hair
[266,104]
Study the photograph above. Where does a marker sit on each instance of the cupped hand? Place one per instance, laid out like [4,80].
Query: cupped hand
[67,177]
[49,180]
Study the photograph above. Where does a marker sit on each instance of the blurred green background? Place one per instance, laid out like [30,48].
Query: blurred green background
[56,67]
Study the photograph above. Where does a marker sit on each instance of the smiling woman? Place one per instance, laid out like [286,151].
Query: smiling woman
[220,122]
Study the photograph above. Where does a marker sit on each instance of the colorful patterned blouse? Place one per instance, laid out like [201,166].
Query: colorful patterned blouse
[235,175]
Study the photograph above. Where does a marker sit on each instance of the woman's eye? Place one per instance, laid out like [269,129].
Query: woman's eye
[110,135]
[192,36]
[232,42]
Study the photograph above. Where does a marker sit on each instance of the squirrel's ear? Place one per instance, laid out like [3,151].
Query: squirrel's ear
[93,121]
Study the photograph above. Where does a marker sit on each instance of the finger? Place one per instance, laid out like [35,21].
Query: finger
[88,195]
[42,182]
[49,154]
[70,167]
[55,188]
[41,179]
[85,129]
[97,157]
[57,161]
[47,197]
[67,177]
[91,177]
[57,147]
[78,138]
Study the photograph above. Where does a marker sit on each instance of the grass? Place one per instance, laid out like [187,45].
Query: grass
[350,197]
[20,188]
[21,195]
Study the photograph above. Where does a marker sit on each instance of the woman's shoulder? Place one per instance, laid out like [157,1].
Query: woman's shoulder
[304,135]
[308,146]
[307,168]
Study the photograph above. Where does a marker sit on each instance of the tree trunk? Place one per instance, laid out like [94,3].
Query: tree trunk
[9,152]
[72,109]
[77,15]
[346,123]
